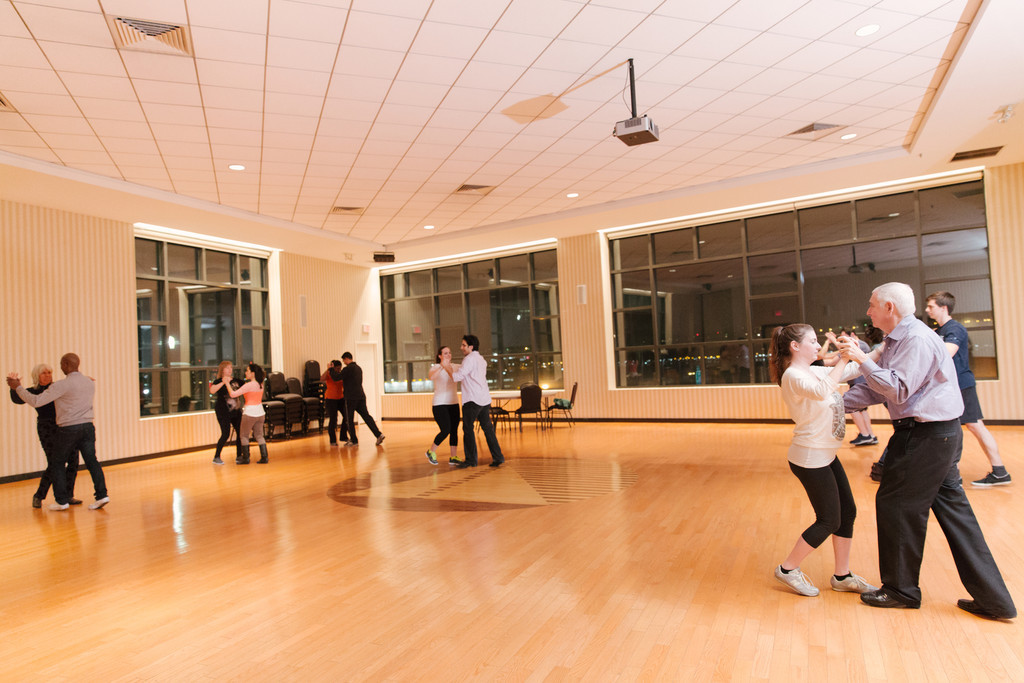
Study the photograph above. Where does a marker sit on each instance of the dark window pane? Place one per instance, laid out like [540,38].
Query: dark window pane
[831,223]
[889,216]
[954,206]
[516,370]
[771,232]
[183,262]
[773,273]
[451,319]
[256,347]
[479,314]
[253,272]
[547,334]
[218,268]
[148,300]
[147,257]
[767,314]
[635,368]
[720,239]
[449,279]
[762,372]
[153,393]
[629,252]
[974,311]
[510,319]
[254,309]
[514,270]
[634,328]
[395,378]
[729,364]
[545,299]
[673,246]
[480,274]
[701,302]
[390,331]
[151,346]
[387,286]
[632,289]
[419,372]
[212,324]
[545,266]
[549,371]
[963,253]
[681,365]
[414,329]
[419,283]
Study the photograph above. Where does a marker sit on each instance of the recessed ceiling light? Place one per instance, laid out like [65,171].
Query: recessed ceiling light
[428,227]
[867,30]
[236,167]
[848,136]
[573,195]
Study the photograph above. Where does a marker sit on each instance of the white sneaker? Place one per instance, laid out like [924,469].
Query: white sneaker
[851,584]
[796,580]
[59,506]
[100,503]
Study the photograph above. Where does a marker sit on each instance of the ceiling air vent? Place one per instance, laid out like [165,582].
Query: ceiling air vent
[976,153]
[482,190]
[150,36]
[347,210]
[815,131]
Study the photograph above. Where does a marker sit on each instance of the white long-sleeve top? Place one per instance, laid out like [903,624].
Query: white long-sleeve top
[816,407]
[473,375]
[445,393]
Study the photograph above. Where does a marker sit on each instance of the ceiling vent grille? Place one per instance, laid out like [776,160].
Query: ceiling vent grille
[150,36]
[5,105]
[482,190]
[815,131]
[976,153]
[347,210]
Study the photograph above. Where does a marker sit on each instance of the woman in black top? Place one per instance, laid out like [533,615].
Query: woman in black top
[227,409]
[46,428]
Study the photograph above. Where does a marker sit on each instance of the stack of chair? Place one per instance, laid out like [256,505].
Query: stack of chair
[293,404]
[312,408]
[274,410]
[312,387]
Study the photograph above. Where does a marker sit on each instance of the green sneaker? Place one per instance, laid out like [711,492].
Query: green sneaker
[455,460]
[432,457]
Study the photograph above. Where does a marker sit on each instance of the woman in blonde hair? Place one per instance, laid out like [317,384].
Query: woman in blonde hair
[46,429]
[812,395]
[227,409]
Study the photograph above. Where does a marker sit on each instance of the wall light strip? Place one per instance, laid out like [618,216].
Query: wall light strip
[810,199]
[459,258]
[200,240]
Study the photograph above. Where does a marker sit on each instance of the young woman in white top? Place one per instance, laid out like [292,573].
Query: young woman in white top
[446,408]
[812,395]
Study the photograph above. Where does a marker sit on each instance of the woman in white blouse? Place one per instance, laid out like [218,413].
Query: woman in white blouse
[446,408]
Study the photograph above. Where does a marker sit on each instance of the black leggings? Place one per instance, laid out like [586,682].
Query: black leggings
[828,489]
[447,419]
[227,419]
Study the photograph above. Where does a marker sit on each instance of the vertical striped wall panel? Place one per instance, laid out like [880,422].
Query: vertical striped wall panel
[1004,207]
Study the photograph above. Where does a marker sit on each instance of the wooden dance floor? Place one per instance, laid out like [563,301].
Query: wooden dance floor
[607,552]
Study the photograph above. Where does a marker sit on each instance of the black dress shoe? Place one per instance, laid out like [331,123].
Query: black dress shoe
[464,465]
[74,501]
[496,463]
[979,611]
[882,598]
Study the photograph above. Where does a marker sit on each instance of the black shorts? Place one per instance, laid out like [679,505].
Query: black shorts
[972,409]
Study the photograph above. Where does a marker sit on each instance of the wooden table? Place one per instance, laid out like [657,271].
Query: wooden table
[500,399]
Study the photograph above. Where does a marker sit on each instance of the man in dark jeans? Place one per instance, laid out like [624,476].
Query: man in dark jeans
[355,400]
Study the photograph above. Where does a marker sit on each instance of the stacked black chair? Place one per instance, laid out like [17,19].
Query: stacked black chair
[275,412]
[312,408]
[565,406]
[529,403]
[293,405]
[311,384]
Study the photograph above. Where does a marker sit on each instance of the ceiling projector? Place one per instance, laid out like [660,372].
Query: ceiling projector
[637,130]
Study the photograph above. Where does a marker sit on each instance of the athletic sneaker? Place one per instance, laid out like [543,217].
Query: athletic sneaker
[865,440]
[100,503]
[432,457]
[218,461]
[859,439]
[852,584]
[796,580]
[380,440]
[455,460]
[992,480]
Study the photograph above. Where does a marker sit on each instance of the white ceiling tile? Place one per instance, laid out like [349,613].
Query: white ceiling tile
[82,58]
[395,132]
[768,49]
[162,92]
[229,46]
[771,81]
[66,25]
[601,25]
[166,11]
[126,130]
[918,7]
[76,156]
[447,40]
[478,14]
[301,105]
[307,21]
[235,119]
[716,42]
[581,60]
[296,81]
[816,56]
[431,69]
[229,74]
[726,75]
[917,35]
[232,98]
[890,22]
[365,29]
[11,24]
[22,52]
[170,133]
[41,103]
[546,18]
[246,17]
[661,34]
[511,49]
[673,70]
[82,85]
[173,113]
[33,152]
[289,123]
[143,149]
[471,99]
[856,91]
[291,53]
[758,15]
[27,79]
[423,95]
[815,19]
[121,111]
[368,62]
[159,67]
[19,138]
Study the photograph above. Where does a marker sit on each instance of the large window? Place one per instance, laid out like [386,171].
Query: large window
[510,303]
[697,304]
[195,307]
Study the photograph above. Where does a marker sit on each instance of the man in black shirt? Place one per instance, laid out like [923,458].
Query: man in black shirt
[355,400]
